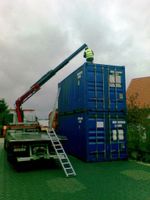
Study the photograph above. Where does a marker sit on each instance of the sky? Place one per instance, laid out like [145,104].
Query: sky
[37,35]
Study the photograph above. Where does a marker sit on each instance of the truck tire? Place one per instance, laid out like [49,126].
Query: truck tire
[5,145]
[10,157]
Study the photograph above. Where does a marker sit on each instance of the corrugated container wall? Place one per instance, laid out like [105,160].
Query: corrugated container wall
[93,87]
[92,108]
[95,136]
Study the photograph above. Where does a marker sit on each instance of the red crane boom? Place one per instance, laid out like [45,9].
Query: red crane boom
[35,87]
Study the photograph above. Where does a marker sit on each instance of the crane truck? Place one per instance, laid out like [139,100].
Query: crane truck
[25,141]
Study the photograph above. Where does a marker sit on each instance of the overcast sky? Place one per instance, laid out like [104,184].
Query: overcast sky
[36,35]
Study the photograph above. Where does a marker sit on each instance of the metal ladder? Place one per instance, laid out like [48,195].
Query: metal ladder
[62,156]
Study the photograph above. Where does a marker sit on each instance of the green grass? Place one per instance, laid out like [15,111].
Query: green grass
[119,180]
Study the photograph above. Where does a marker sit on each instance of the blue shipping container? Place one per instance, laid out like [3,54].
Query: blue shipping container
[94,136]
[93,87]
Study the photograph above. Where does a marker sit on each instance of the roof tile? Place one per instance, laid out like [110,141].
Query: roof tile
[141,87]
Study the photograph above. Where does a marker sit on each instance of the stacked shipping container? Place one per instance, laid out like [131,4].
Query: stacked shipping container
[92,107]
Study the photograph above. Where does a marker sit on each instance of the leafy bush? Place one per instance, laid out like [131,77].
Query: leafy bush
[138,130]
[4,111]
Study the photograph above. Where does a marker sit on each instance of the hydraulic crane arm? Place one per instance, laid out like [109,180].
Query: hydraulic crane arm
[36,86]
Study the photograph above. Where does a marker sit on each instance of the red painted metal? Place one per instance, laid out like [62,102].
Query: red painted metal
[41,82]
[24,98]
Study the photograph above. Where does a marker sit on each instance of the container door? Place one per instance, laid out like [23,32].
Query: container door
[117,143]
[96,141]
[94,82]
[116,89]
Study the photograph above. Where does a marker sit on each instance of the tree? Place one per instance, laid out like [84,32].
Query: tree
[3,106]
[138,130]
[4,111]
[136,115]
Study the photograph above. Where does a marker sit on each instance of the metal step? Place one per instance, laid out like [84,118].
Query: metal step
[60,152]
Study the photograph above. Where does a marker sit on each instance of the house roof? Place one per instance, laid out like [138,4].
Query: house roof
[140,87]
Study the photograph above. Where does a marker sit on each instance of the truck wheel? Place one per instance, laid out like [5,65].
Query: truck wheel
[10,157]
[5,144]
